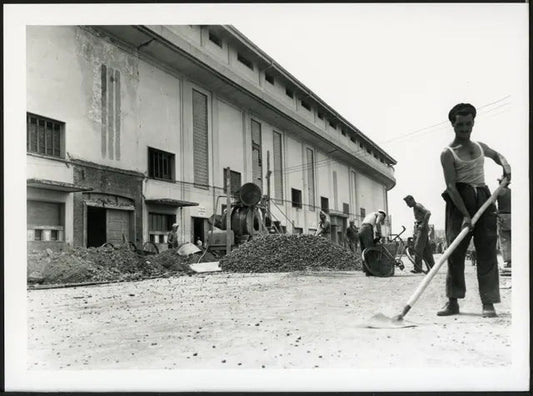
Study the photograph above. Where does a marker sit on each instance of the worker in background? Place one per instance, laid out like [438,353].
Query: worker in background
[504,224]
[324,227]
[423,250]
[370,231]
[463,165]
[352,236]
[172,237]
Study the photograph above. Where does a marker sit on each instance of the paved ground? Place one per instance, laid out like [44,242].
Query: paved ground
[288,320]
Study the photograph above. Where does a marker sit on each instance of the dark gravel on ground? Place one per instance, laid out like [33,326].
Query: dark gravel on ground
[284,253]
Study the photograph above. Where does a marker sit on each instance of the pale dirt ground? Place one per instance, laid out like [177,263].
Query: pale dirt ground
[287,320]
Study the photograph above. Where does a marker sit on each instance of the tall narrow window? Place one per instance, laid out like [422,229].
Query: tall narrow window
[335,192]
[200,139]
[311,178]
[257,165]
[111,112]
[296,198]
[278,166]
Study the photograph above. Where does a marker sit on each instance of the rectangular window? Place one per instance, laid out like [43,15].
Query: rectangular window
[363,213]
[160,164]
[320,115]
[215,39]
[306,105]
[257,164]
[111,112]
[46,220]
[289,92]
[311,178]
[298,230]
[44,135]
[361,145]
[343,132]
[278,166]
[352,139]
[246,62]
[332,124]
[324,204]
[312,231]
[269,78]
[296,198]
[346,208]
[159,224]
[235,181]
[200,139]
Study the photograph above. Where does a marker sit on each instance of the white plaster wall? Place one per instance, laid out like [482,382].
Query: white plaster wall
[369,194]
[42,168]
[343,185]
[64,83]
[230,140]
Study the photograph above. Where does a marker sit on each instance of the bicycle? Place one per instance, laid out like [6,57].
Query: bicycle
[380,261]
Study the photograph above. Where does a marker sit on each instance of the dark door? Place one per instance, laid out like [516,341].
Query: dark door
[198,229]
[96,226]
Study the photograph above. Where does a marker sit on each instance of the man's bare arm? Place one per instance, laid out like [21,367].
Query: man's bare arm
[498,158]
[450,177]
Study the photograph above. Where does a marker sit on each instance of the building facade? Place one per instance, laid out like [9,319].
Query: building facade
[130,128]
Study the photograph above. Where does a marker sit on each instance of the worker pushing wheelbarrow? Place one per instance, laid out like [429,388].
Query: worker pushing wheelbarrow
[382,258]
[377,259]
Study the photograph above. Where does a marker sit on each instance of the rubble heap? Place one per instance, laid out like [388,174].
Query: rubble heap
[85,265]
[285,253]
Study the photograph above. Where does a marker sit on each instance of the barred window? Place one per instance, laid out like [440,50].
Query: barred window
[44,135]
[160,164]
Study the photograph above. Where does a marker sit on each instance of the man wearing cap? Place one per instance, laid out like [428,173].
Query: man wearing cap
[463,165]
[352,235]
[504,224]
[422,245]
[172,237]
[324,227]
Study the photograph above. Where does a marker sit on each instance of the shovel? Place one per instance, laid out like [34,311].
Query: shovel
[382,321]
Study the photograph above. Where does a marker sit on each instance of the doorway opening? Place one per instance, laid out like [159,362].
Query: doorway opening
[96,226]
[198,229]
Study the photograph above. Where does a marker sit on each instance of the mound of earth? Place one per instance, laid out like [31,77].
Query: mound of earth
[286,252]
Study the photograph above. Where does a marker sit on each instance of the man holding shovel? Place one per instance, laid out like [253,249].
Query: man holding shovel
[462,162]
[422,246]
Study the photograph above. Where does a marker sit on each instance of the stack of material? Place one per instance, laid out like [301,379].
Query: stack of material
[285,253]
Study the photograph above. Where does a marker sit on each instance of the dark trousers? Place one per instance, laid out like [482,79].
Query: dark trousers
[366,236]
[423,249]
[485,236]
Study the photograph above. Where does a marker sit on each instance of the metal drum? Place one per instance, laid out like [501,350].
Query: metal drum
[249,194]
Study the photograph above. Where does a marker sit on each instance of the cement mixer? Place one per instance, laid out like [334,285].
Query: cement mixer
[247,218]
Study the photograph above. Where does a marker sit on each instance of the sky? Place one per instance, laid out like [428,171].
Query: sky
[394,71]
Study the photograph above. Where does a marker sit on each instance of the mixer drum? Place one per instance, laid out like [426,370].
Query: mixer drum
[249,194]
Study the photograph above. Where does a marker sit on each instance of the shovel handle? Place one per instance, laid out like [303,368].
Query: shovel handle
[425,282]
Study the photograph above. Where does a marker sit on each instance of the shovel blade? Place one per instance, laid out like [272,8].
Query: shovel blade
[380,321]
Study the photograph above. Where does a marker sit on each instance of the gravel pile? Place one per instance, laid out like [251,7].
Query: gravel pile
[285,253]
[82,265]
